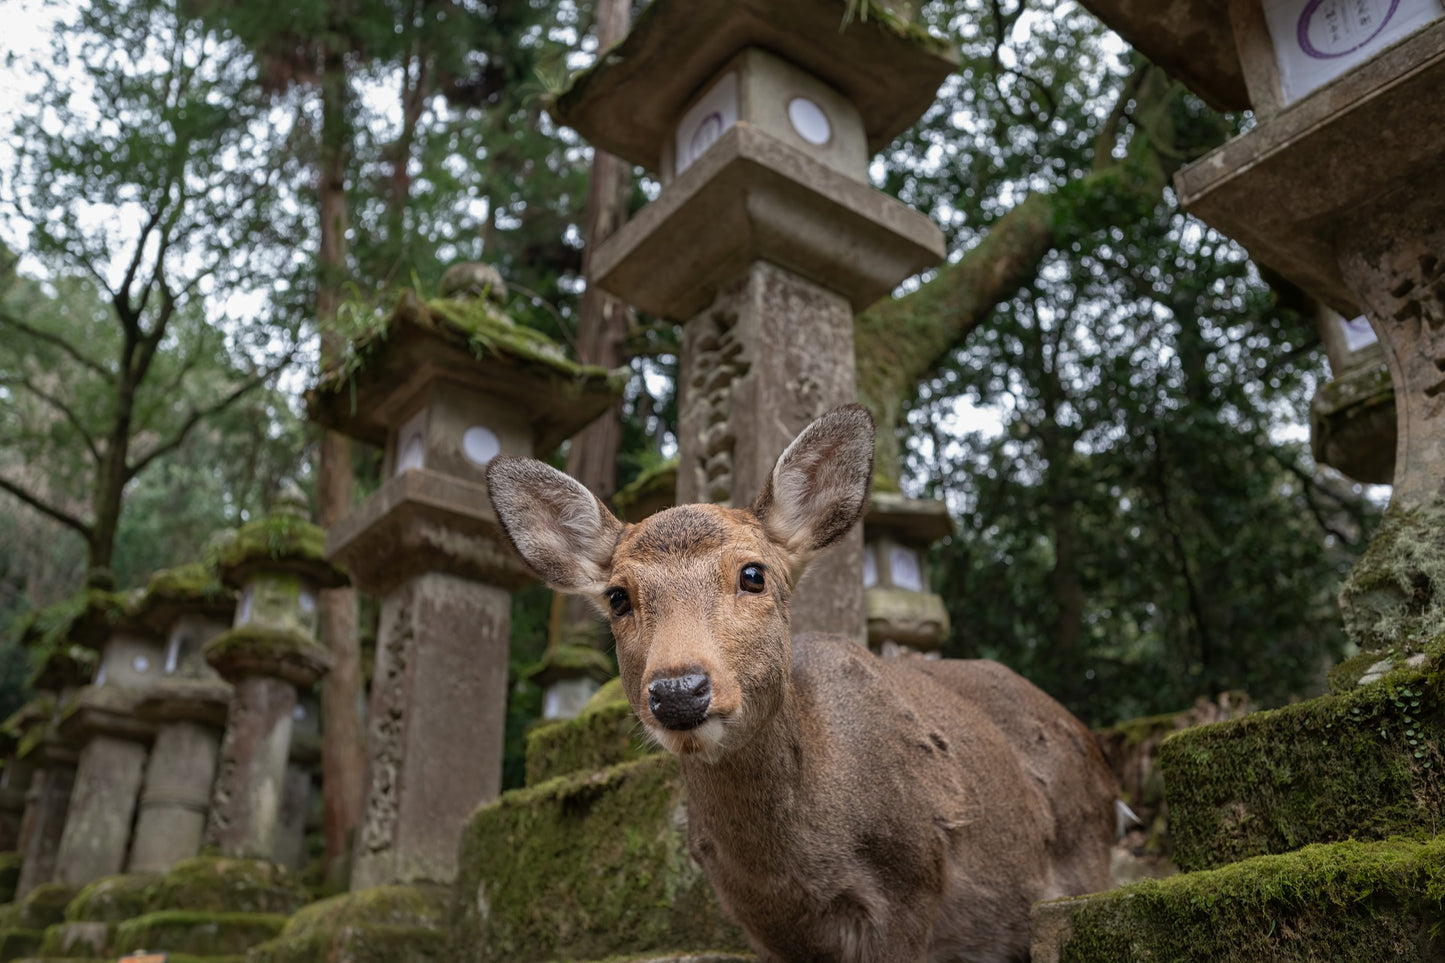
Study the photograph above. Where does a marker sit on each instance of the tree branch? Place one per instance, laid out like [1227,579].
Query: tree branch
[53,340]
[65,410]
[45,508]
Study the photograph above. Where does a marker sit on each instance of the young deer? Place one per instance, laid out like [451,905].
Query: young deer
[844,807]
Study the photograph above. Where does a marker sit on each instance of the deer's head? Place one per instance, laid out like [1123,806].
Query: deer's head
[698,594]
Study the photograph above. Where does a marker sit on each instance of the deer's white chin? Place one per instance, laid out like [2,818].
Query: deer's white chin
[704,742]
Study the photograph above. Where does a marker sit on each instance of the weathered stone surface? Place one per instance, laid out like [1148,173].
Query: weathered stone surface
[209,884]
[1342,901]
[79,939]
[384,924]
[285,542]
[771,354]
[604,734]
[176,797]
[629,103]
[585,867]
[1367,764]
[47,805]
[204,934]
[751,196]
[286,654]
[1393,601]
[102,805]
[437,717]
[110,899]
[917,620]
[246,801]
[41,907]
[1353,424]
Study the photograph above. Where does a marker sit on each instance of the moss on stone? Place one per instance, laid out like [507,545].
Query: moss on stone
[653,486]
[43,906]
[585,867]
[201,933]
[1394,597]
[281,540]
[9,875]
[78,939]
[62,667]
[86,618]
[110,899]
[214,884]
[18,942]
[1343,901]
[383,924]
[254,648]
[603,734]
[1365,764]
[186,588]
[571,661]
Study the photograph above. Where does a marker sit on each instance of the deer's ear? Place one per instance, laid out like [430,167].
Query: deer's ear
[557,526]
[819,487]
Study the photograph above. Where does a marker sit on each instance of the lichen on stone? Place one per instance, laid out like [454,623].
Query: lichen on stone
[1394,597]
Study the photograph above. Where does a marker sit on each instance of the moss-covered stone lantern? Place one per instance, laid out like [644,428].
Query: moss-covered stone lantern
[760,119]
[443,386]
[904,614]
[278,564]
[187,606]
[114,741]
[1340,187]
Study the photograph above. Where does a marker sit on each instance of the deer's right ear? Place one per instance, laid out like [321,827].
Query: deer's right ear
[557,525]
[819,488]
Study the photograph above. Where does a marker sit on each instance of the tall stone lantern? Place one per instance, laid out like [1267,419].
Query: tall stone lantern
[115,742]
[187,606]
[904,614]
[443,386]
[760,118]
[1340,187]
[268,655]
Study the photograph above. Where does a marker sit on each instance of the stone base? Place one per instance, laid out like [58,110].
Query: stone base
[604,734]
[385,924]
[586,867]
[1367,764]
[210,884]
[198,933]
[1343,901]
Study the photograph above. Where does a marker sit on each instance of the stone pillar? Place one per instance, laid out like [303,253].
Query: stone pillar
[14,783]
[301,769]
[47,803]
[449,385]
[766,238]
[269,653]
[175,800]
[114,741]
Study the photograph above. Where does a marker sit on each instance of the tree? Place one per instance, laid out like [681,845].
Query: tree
[137,191]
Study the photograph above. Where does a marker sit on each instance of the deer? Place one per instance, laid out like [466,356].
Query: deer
[844,807]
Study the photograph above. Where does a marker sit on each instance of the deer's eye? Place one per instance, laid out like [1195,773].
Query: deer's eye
[618,601]
[750,578]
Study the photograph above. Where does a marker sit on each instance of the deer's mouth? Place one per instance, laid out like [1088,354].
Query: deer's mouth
[704,741]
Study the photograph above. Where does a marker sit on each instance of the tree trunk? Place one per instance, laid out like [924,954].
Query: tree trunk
[601,334]
[343,745]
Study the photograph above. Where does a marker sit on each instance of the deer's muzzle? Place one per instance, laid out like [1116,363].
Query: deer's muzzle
[680,702]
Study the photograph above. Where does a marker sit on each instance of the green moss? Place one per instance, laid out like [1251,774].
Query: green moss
[62,667]
[570,662]
[78,939]
[253,641]
[1366,764]
[16,943]
[9,875]
[38,710]
[110,899]
[205,934]
[86,618]
[585,867]
[657,484]
[603,734]
[1344,901]
[283,540]
[43,906]
[384,924]
[1394,597]
[212,884]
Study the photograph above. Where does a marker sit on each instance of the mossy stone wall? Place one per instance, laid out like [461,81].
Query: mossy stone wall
[604,734]
[1343,901]
[1366,764]
[583,868]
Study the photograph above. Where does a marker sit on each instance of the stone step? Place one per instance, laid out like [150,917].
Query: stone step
[383,924]
[1364,764]
[16,942]
[585,867]
[1352,900]
[198,933]
[604,734]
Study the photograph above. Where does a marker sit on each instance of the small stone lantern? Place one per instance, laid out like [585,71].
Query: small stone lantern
[114,741]
[444,386]
[904,615]
[760,119]
[187,606]
[277,564]
[1340,187]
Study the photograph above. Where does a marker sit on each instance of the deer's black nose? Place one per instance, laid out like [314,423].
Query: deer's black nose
[680,702]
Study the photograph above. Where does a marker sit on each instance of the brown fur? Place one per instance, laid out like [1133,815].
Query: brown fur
[844,807]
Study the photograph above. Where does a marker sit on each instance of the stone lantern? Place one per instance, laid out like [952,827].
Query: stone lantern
[271,652]
[1352,416]
[443,387]
[1340,187]
[760,118]
[114,741]
[187,705]
[904,615]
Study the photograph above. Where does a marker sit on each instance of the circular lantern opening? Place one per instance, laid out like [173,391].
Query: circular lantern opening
[809,121]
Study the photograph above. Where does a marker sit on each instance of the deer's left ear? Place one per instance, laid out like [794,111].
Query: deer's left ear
[819,488]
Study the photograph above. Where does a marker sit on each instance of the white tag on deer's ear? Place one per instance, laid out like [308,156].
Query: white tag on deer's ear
[558,527]
[819,488]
